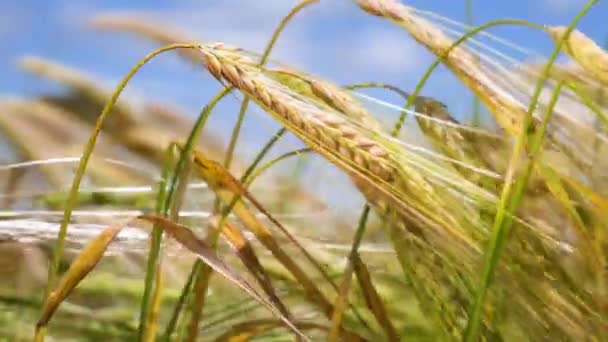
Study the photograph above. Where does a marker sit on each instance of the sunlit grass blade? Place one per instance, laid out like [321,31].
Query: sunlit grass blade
[84,263]
[71,201]
[246,253]
[231,193]
[510,202]
[204,272]
[203,251]
[153,279]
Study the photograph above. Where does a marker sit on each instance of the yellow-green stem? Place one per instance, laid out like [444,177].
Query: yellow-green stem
[72,198]
[509,202]
[229,156]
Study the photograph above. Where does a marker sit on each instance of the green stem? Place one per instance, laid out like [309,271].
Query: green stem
[502,222]
[179,305]
[171,201]
[245,104]
[72,198]
[180,166]
[405,95]
[234,139]
[425,77]
[469,12]
[253,175]
[360,232]
[197,266]
[151,268]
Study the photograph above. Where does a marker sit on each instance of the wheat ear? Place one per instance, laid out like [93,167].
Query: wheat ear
[507,111]
[584,51]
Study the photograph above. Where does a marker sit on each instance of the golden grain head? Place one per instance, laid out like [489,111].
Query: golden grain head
[584,51]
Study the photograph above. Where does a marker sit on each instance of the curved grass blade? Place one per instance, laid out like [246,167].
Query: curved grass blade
[201,286]
[246,253]
[84,263]
[170,201]
[230,192]
[72,198]
[204,272]
[204,252]
[511,201]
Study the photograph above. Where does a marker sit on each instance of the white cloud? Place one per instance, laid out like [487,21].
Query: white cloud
[246,24]
[383,50]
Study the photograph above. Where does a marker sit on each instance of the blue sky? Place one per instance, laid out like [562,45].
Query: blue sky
[333,39]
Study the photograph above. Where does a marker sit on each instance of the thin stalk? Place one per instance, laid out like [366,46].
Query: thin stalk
[502,229]
[198,265]
[245,104]
[193,138]
[169,202]
[258,171]
[469,11]
[179,305]
[360,232]
[405,95]
[180,166]
[205,271]
[342,298]
[427,74]
[153,267]
[72,199]
[508,202]
[476,106]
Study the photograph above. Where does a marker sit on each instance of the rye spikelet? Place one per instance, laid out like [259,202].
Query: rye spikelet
[573,74]
[483,80]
